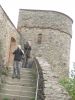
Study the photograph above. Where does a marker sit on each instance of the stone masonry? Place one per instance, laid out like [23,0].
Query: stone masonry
[52,89]
[56,33]
[50,33]
[7,32]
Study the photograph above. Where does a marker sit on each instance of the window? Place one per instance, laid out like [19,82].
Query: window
[39,38]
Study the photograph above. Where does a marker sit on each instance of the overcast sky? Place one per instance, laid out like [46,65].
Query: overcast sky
[12,7]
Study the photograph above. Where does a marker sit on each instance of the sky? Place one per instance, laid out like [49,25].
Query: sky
[12,7]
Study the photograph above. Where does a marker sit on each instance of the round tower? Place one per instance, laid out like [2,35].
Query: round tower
[50,33]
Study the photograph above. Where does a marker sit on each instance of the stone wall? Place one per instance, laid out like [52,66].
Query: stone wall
[56,30]
[52,89]
[7,31]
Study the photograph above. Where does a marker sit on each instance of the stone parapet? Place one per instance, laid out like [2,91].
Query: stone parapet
[52,89]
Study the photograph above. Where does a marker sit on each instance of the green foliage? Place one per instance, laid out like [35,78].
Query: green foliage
[33,98]
[1,49]
[69,85]
[4,71]
[5,99]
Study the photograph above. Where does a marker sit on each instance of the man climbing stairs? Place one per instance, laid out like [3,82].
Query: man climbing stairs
[19,89]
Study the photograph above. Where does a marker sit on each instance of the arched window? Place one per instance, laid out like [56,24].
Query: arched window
[39,38]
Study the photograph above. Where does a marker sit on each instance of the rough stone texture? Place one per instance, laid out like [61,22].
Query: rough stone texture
[56,30]
[52,89]
[7,31]
[45,19]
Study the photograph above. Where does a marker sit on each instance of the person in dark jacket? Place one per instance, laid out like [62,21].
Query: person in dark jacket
[18,53]
[27,49]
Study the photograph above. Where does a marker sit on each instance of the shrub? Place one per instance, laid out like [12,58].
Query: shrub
[69,85]
[5,99]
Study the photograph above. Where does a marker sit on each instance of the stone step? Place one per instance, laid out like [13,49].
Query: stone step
[22,80]
[20,83]
[23,73]
[23,70]
[18,92]
[18,87]
[15,97]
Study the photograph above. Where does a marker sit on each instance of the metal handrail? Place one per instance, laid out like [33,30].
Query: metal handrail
[37,84]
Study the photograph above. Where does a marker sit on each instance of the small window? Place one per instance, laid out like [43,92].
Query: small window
[39,38]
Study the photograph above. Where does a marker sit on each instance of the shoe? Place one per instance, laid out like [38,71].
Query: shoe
[13,77]
[18,77]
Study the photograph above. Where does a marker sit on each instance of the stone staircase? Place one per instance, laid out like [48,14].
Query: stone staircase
[19,89]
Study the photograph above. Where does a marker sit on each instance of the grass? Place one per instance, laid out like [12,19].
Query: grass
[69,85]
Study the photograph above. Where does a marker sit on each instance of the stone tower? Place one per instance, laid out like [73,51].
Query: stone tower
[50,33]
